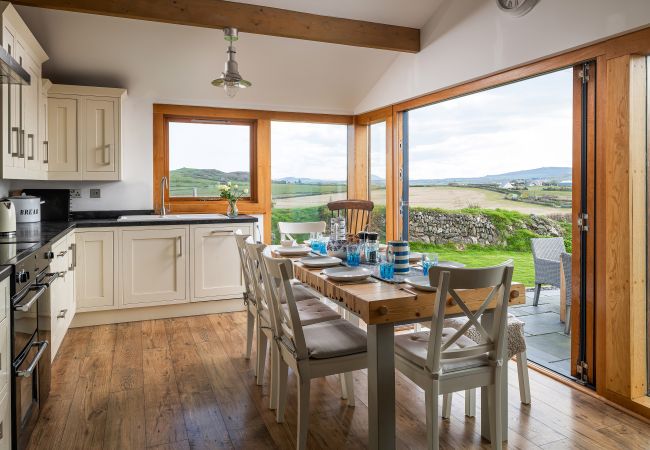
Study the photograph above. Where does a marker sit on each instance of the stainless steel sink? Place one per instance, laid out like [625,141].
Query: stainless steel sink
[154,217]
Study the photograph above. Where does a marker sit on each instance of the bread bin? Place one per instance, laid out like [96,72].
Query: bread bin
[28,208]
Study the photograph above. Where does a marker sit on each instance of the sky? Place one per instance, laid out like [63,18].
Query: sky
[523,125]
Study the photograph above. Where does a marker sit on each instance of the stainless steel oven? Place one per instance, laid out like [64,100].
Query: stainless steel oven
[30,346]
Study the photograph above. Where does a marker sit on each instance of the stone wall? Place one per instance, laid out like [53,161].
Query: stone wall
[439,227]
[443,228]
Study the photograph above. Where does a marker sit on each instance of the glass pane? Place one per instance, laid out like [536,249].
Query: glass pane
[378,178]
[488,172]
[204,155]
[308,169]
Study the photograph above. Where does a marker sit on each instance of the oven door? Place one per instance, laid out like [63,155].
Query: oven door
[25,317]
[27,392]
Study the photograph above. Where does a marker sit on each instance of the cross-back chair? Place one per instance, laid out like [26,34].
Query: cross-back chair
[312,351]
[357,213]
[444,360]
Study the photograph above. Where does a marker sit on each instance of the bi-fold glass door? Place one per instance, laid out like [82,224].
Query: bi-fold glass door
[484,174]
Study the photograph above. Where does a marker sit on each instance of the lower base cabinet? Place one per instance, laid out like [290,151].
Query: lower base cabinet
[61,293]
[5,421]
[95,270]
[5,367]
[153,266]
[214,267]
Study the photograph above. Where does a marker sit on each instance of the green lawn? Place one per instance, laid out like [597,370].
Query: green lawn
[475,256]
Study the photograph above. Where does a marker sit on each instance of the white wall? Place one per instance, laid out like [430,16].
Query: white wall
[164,63]
[466,39]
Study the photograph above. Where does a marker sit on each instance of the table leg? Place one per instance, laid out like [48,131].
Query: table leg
[486,321]
[381,386]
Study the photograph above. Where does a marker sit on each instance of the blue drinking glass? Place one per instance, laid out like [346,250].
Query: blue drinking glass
[353,255]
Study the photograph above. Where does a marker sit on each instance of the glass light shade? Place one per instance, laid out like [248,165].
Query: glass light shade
[231,89]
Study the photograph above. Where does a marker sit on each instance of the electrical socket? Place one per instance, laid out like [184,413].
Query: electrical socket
[95,193]
[75,193]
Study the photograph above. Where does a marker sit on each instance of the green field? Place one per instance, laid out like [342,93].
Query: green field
[283,190]
[476,256]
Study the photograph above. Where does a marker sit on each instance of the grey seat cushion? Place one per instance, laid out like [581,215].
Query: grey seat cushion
[313,311]
[414,347]
[334,339]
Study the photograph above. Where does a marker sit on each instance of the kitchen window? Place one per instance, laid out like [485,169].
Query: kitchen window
[204,153]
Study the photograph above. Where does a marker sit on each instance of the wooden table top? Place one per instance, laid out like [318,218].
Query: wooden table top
[379,302]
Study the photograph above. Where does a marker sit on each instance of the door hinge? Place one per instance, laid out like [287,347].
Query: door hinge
[583,224]
[400,144]
[584,74]
[582,372]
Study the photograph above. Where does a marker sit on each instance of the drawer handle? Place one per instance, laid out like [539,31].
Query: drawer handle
[179,239]
[62,253]
[62,314]
[221,233]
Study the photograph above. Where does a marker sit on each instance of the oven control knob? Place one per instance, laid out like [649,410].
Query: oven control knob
[49,255]
[22,276]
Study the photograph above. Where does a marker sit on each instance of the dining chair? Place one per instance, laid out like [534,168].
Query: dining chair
[357,213]
[288,229]
[249,298]
[565,289]
[444,360]
[312,351]
[516,342]
[311,310]
[546,259]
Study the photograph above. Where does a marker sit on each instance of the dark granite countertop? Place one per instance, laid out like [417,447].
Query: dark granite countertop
[49,232]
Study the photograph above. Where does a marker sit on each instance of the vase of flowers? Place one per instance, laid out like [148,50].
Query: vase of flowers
[231,193]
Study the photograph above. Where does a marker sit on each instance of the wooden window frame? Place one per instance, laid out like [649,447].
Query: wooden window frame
[260,201]
[252,169]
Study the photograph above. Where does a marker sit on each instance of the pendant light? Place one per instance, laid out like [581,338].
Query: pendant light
[230,79]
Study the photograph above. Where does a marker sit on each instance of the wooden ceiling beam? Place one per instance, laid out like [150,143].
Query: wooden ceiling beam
[249,19]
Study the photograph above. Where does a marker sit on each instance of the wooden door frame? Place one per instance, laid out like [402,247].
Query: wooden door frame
[619,194]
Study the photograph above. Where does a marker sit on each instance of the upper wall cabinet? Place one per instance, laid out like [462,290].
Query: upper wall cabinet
[23,155]
[84,133]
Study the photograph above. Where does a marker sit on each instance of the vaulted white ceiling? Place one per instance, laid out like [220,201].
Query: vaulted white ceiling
[406,13]
[174,63]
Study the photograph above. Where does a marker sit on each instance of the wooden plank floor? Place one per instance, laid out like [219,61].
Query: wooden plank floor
[184,384]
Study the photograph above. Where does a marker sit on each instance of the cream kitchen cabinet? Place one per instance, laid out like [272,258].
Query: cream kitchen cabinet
[154,266]
[94,265]
[214,272]
[22,104]
[43,143]
[5,366]
[62,292]
[84,132]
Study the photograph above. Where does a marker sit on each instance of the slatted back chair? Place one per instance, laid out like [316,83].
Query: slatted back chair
[312,351]
[357,213]
[249,295]
[264,327]
[287,229]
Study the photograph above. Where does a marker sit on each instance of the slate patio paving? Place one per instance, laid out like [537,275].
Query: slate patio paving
[547,344]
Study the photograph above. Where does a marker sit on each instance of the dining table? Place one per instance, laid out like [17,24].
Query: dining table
[383,306]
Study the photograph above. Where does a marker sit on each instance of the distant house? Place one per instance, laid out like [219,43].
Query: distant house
[535,183]
[566,183]
[508,186]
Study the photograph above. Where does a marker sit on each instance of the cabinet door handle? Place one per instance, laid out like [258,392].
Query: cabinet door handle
[73,248]
[62,274]
[62,254]
[107,155]
[46,152]
[62,314]
[221,233]
[17,131]
[31,136]
[179,239]
[21,148]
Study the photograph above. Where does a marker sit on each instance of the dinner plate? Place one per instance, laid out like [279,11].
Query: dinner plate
[420,282]
[296,250]
[320,261]
[347,273]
